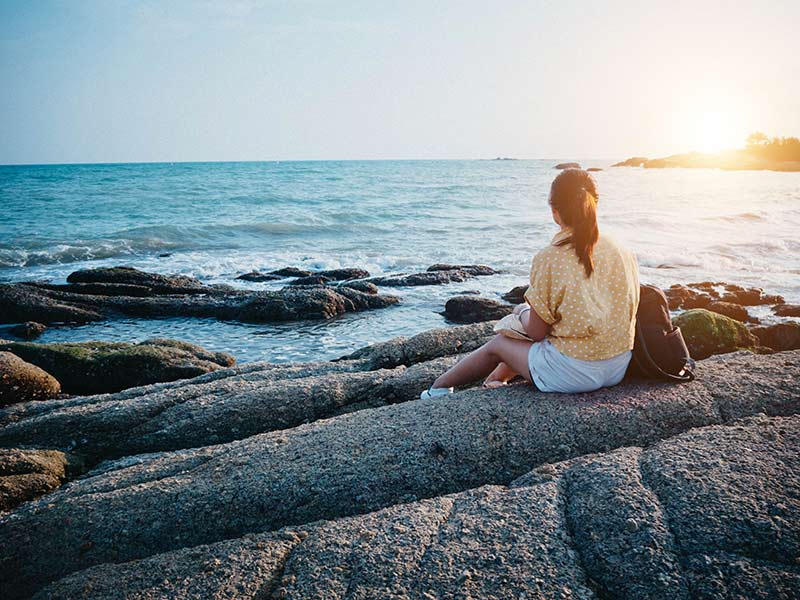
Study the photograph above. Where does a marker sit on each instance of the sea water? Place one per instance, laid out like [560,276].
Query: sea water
[216,221]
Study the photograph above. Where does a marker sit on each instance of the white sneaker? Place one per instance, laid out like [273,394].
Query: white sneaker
[434,392]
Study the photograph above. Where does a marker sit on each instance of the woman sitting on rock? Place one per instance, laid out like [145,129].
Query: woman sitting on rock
[580,307]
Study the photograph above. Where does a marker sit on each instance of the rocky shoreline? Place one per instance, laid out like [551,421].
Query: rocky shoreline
[331,479]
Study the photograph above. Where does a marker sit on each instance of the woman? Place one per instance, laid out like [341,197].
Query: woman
[580,307]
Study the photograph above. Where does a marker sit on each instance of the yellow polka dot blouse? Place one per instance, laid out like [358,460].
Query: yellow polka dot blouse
[591,318]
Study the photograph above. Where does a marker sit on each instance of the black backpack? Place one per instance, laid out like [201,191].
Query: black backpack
[659,351]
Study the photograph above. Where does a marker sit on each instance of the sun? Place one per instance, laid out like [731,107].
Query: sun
[712,122]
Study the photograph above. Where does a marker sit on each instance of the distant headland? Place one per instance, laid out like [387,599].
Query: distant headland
[760,153]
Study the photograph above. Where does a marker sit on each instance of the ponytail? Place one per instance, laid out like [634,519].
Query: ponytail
[574,195]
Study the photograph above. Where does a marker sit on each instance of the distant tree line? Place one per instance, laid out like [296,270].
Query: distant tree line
[777,148]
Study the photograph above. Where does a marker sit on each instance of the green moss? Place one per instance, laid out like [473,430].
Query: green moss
[708,333]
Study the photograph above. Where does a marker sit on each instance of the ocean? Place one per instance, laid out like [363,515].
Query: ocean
[215,221]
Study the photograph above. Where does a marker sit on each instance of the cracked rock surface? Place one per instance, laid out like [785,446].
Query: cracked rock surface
[360,462]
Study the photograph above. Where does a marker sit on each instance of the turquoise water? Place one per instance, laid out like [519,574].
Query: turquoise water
[218,220]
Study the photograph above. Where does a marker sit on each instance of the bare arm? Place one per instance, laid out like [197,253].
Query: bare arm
[534,326]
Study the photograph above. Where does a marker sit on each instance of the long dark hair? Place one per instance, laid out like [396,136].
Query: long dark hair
[574,195]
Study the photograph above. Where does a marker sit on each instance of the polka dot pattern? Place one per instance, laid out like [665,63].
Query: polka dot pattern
[591,318]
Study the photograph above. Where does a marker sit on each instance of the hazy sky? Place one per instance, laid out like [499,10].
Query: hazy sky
[110,81]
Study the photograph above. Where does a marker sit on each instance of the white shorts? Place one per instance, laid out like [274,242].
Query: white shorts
[553,371]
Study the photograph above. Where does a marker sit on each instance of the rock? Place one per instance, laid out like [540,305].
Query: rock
[21,381]
[343,274]
[221,410]
[417,279]
[681,296]
[24,302]
[361,286]
[469,309]
[97,367]
[567,165]
[291,272]
[30,330]
[372,459]
[516,295]
[159,284]
[475,270]
[102,289]
[734,311]
[311,280]
[787,310]
[594,169]
[635,161]
[708,333]
[28,474]
[749,296]
[781,336]
[258,276]
[425,346]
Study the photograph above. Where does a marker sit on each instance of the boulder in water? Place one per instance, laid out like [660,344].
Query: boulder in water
[567,165]
[258,276]
[343,274]
[516,295]
[780,336]
[22,381]
[311,280]
[30,330]
[734,311]
[469,309]
[474,270]
[787,310]
[158,284]
[99,367]
[290,272]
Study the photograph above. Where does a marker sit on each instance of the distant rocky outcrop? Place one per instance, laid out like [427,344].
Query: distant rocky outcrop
[438,274]
[125,291]
[98,367]
[21,381]
[568,165]
[677,498]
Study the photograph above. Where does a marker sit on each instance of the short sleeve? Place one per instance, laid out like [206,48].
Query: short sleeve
[541,294]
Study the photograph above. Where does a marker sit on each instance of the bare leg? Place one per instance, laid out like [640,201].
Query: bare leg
[485,359]
[502,374]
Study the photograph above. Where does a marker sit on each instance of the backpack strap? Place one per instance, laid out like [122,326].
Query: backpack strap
[685,374]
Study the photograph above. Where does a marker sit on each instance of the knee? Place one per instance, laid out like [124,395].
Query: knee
[494,347]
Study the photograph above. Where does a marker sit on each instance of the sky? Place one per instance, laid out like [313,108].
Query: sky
[149,81]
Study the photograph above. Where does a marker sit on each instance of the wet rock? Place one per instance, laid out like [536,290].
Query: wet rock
[29,330]
[21,381]
[417,279]
[343,274]
[28,474]
[734,311]
[681,296]
[516,295]
[781,336]
[708,333]
[100,289]
[365,461]
[362,286]
[311,280]
[159,284]
[24,302]
[567,165]
[749,296]
[97,367]
[258,276]
[291,272]
[475,270]
[787,310]
[469,309]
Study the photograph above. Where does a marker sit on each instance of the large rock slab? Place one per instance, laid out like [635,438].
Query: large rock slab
[363,461]
[214,412]
[690,517]
[99,367]
[21,381]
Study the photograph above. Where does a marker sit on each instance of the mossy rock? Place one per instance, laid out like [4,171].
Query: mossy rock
[708,333]
[102,367]
[21,381]
[26,474]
